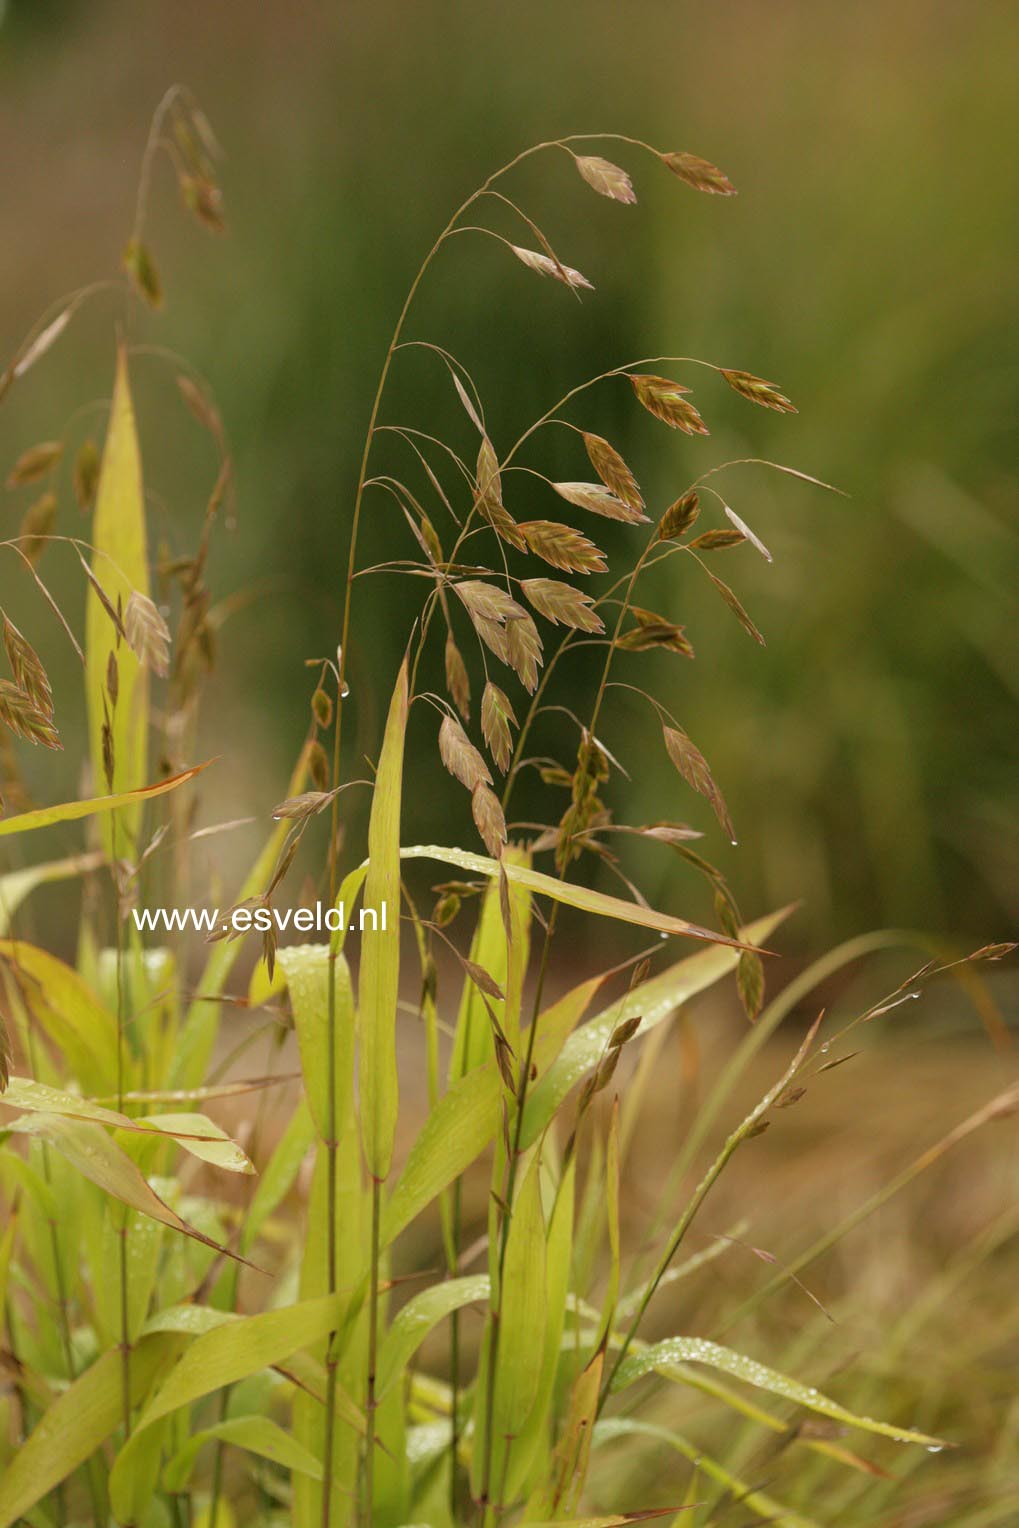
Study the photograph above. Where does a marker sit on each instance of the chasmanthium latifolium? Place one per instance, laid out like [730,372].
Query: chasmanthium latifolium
[178,1352]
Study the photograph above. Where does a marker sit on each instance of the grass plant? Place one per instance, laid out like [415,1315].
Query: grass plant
[443,1313]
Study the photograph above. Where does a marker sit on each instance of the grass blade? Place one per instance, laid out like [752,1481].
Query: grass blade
[380,954]
[258,1435]
[306,968]
[581,897]
[70,811]
[120,563]
[244,1345]
[661,1356]
[518,1357]
[198,1035]
[466,1118]
[417,1319]
[98,1157]
[18,884]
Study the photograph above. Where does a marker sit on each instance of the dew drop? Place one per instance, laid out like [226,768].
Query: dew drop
[932,1448]
[734,842]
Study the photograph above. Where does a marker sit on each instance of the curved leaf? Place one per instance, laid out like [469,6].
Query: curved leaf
[280,1172]
[242,1346]
[195,1132]
[307,971]
[259,1435]
[97,1157]
[16,885]
[456,1132]
[510,1337]
[70,811]
[664,1356]
[417,1319]
[581,897]
[202,1138]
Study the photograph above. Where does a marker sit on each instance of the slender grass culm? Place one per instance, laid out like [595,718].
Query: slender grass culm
[453,1319]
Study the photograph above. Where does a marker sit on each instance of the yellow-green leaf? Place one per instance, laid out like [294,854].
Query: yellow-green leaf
[195,1132]
[258,1435]
[98,1158]
[77,1424]
[472,1045]
[455,1133]
[67,1010]
[524,1298]
[612,1222]
[518,1357]
[653,1000]
[380,951]
[243,1346]
[6,1248]
[466,1118]
[198,1036]
[416,1320]
[306,968]
[574,1447]
[280,1172]
[16,885]
[69,811]
[665,1356]
[120,563]
[581,897]
[530,1451]
[202,1138]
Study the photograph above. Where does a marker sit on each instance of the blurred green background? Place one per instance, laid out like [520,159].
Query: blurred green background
[868,753]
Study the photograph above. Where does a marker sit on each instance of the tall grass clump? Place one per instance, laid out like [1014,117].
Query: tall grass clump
[178,1352]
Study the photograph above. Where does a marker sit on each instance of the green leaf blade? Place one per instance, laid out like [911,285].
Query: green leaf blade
[664,1357]
[121,566]
[380,951]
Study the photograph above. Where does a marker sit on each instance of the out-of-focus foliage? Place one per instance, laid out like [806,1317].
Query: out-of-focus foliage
[868,751]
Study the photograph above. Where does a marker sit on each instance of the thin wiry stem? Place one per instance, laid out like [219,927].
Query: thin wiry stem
[152,145]
[549,416]
[395,344]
